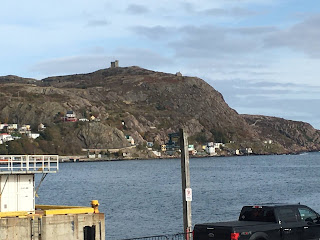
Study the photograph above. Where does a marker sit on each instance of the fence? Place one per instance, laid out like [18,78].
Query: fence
[178,236]
[28,163]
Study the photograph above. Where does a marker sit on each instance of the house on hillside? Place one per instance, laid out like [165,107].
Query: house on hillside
[26,128]
[83,120]
[130,139]
[33,135]
[12,126]
[211,149]
[163,147]
[70,116]
[5,137]
[3,126]
[41,127]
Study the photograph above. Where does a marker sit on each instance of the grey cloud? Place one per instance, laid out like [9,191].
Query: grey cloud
[233,12]
[154,33]
[290,101]
[303,37]
[71,65]
[98,23]
[141,57]
[208,41]
[137,9]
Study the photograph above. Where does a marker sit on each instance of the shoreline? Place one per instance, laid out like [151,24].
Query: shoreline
[86,159]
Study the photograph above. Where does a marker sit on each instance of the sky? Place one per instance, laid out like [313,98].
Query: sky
[262,55]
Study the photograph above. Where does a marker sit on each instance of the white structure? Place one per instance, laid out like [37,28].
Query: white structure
[70,114]
[210,149]
[130,140]
[157,153]
[17,180]
[33,135]
[249,151]
[83,119]
[218,145]
[5,137]
[41,127]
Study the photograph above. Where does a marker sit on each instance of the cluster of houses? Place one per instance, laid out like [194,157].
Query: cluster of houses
[71,117]
[209,149]
[10,131]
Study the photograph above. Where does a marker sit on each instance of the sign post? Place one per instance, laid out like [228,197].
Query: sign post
[186,190]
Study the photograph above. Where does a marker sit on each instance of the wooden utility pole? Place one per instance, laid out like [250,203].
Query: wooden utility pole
[186,190]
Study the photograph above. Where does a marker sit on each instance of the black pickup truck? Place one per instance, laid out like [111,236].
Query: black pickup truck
[267,222]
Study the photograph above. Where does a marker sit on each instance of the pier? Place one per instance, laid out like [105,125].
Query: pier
[21,218]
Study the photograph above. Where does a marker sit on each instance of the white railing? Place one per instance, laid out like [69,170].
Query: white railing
[29,164]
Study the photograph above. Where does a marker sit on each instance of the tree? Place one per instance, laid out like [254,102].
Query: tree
[3,149]
[14,147]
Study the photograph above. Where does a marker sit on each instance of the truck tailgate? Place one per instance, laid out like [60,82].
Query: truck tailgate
[221,230]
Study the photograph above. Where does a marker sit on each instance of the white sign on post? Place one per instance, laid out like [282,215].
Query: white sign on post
[188,194]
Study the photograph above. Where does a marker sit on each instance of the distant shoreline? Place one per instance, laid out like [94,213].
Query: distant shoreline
[72,159]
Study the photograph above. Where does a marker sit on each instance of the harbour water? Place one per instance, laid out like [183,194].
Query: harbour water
[143,197]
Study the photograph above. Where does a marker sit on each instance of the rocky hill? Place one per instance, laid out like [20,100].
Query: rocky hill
[144,104]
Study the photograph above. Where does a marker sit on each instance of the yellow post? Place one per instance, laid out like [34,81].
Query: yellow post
[95,204]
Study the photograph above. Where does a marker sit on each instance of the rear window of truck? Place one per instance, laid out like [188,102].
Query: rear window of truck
[256,213]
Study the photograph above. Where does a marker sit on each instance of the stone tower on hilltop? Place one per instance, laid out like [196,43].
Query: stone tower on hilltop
[115,64]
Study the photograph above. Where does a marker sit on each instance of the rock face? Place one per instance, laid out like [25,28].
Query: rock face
[146,105]
[294,136]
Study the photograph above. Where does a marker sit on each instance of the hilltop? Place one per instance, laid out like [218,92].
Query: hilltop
[146,105]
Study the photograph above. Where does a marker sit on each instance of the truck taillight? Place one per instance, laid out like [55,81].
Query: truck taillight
[235,236]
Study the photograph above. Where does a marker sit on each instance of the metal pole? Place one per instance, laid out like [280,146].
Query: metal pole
[185,177]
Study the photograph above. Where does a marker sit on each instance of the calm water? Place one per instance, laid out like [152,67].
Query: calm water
[143,198]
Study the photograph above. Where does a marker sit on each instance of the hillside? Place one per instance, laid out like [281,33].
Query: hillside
[144,104]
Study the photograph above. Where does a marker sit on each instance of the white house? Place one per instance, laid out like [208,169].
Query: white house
[41,127]
[83,120]
[12,126]
[130,139]
[33,135]
[218,145]
[5,137]
[25,128]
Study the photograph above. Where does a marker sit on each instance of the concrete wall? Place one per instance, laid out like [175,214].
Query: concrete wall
[55,227]
[15,228]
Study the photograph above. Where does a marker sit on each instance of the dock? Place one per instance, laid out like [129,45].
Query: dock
[21,218]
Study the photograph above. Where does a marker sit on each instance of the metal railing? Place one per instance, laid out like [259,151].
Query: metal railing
[177,236]
[29,164]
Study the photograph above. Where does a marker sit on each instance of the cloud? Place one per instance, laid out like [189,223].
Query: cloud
[98,23]
[153,33]
[142,57]
[89,63]
[208,41]
[137,9]
[71,65]
[286,100]
[303,36]
[228,12]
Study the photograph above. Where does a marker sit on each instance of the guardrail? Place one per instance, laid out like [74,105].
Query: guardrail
[29,164]
[177,236]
